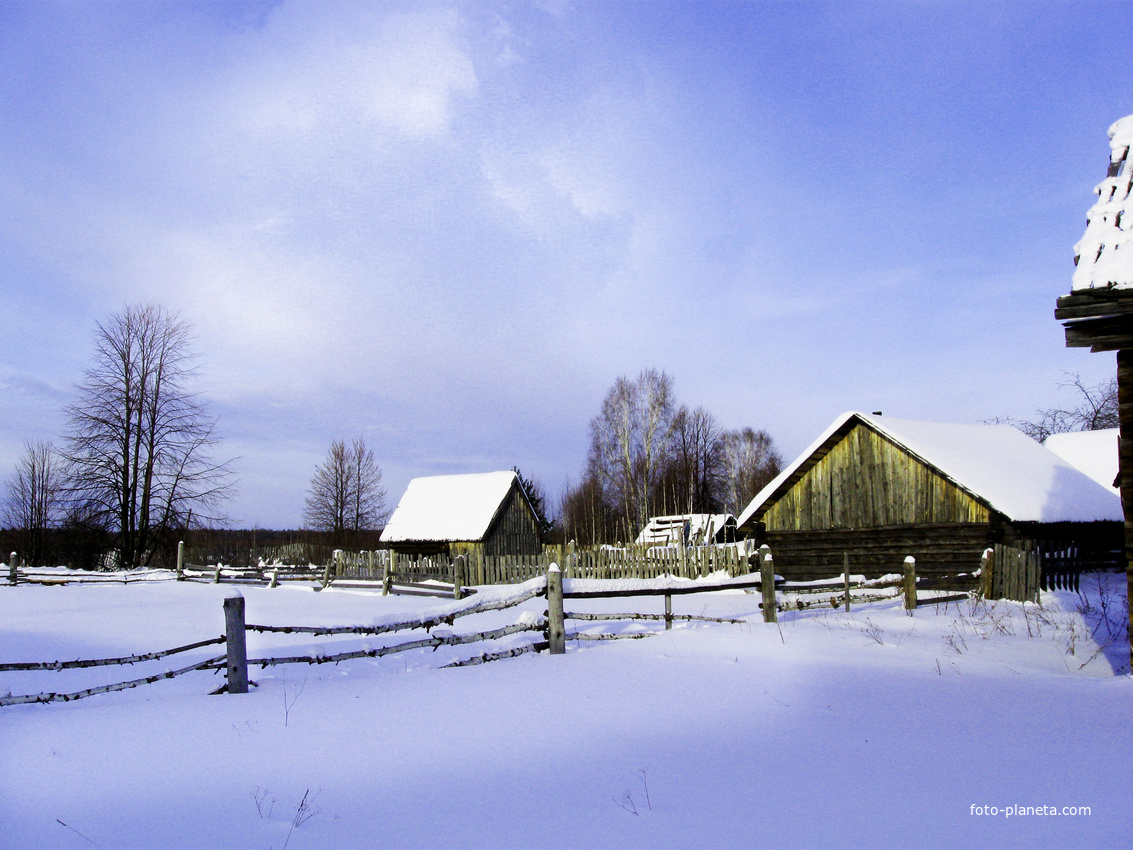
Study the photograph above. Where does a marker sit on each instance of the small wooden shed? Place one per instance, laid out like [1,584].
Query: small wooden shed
[486,513]
[688,530]
[878,489]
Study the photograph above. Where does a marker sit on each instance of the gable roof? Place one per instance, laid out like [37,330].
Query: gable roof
[439,508]
[1093,452]
[996,464]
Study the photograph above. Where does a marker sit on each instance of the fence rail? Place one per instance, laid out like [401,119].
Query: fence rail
[555,587]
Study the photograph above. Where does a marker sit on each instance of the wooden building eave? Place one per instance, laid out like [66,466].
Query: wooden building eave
[854,420]
[1098,319]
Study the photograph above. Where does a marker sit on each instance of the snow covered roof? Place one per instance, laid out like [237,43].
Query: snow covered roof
[997,464]
[448,507]
[1104,255]
[669,530]
[1093,452]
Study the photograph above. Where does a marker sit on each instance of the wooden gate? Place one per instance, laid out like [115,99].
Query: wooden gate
[1015,573]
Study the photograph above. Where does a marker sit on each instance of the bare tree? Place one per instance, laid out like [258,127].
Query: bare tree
[1096,409]
[629,442]
[586,515]
[693,476]
[750,461]
[346,493]
[33,504]
[138,441]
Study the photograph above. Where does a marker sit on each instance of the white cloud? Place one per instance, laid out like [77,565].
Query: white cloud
[353,72]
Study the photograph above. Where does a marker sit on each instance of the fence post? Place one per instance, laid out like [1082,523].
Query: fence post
[387,582]
[13,570]
[274,581]
[767,585]
[326,575]
[180,560]
[668,611]
[236,643]
[556,629]
[987,567]
[216,576]
[846,577]
[763,552]
[910,584]
[458,577]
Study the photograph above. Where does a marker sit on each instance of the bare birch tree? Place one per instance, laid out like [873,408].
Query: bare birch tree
[33,501]
[138,440]
[750,462]
[694,475]
[346,493]
[629,441]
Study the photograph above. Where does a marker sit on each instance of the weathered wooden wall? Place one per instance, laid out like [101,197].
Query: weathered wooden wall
[865,481]
[515,530]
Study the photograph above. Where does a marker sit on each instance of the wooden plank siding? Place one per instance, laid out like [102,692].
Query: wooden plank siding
[515,530]
[866,481]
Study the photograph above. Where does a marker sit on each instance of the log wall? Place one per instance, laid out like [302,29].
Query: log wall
[940,549]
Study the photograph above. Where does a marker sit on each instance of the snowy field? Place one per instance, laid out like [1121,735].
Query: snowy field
[867,729]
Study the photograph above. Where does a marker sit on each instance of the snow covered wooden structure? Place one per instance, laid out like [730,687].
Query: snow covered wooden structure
[1093,452]
[1098,312]
[879,489]
[688,530]
[487,514]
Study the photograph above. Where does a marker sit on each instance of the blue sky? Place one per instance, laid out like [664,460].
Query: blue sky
[448,228]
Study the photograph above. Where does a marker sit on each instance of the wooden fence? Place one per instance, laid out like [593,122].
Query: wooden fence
[551,626]
[1012,573]
[1007,573]
[235,661]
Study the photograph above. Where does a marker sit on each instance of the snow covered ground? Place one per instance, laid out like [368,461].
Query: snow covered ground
[871,728]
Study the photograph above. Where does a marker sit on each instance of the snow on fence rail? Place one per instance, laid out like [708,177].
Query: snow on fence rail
[551,625]
[105,662]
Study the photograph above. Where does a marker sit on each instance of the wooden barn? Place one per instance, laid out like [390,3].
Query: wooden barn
[879,489]
[486,513]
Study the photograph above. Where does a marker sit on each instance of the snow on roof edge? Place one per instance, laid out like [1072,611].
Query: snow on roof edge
[1074,498]
[442,508]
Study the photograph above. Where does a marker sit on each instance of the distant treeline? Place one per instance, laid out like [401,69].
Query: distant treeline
[90,549]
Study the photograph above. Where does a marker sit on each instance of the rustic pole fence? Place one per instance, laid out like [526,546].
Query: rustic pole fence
[236,642]
[556,626]
[910,584]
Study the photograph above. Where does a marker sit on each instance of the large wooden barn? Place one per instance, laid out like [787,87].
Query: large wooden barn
[486,513]
[879,489]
